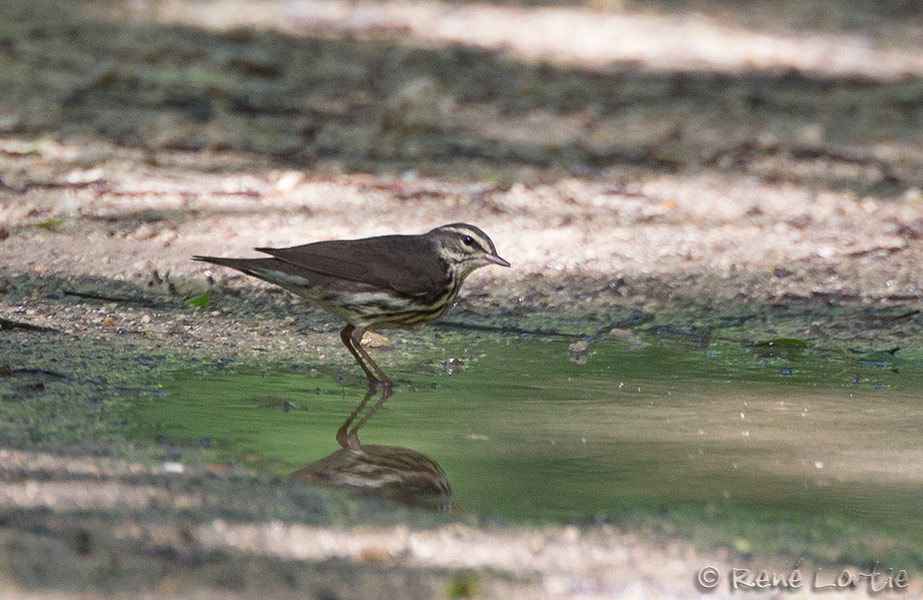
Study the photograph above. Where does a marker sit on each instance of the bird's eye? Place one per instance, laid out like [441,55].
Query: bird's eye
[468,240]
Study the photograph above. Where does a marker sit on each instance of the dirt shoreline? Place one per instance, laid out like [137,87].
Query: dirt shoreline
[828,267]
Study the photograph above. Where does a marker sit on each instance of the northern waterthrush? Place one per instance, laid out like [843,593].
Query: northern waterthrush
[381,282]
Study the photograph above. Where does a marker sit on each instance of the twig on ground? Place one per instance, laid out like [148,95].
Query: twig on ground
[104,298]
[8,324]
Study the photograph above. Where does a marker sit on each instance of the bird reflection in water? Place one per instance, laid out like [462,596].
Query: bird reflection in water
[390,472]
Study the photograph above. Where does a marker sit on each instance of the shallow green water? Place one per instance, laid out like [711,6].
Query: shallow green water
[760,449]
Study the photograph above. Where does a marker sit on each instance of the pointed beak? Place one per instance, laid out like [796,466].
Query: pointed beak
[496,260]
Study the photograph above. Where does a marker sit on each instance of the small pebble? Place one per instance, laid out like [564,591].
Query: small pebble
[628,337]
[376,340]
[289,181]
[143,232]
[167,236]
[374,554]
[577,352]
[578,347]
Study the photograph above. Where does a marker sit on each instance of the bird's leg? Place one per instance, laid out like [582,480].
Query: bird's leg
[356,337]
[353,433]
[347,335]
[350,439]
[352,337]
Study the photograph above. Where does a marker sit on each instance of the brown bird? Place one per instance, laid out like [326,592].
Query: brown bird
[389,281]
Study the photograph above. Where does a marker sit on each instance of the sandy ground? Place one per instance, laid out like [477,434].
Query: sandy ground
[700,168]
[138,533]
[815,264]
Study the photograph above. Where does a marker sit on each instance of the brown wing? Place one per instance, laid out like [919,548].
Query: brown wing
[406,263]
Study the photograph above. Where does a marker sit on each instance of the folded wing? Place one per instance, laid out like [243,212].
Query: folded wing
[409,265]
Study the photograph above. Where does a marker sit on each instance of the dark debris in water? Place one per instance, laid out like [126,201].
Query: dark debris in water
[20,384]
[150,360]
[892,316]
[695,336]
[42,375]
[635,319]
[456,325]
[276,403]
[879,359]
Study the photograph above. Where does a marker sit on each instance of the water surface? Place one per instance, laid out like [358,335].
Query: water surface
[766,449]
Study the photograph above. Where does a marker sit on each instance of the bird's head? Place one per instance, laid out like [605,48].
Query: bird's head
[465,247]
